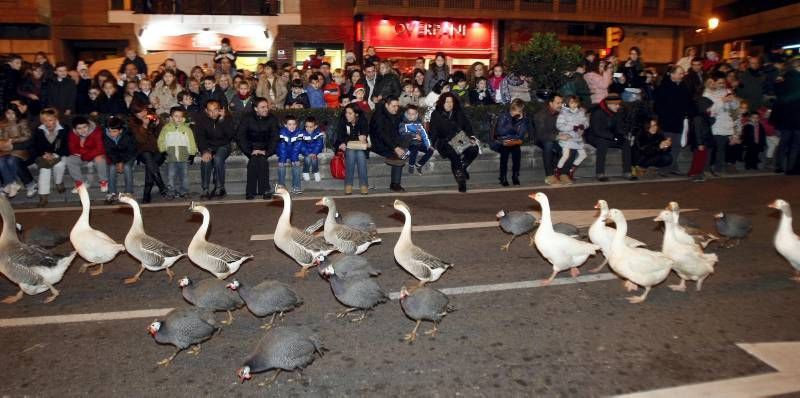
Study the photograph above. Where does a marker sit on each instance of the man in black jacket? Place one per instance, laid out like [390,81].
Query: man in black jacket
[386,141]
[213,133]
[61,91]
[544,122]
[258,138]
[604,134]
[387,84]
[672,104]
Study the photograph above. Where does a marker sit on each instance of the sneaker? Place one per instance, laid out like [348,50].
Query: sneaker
[317,177]
[77,185]
[411,170]
[419,168]
[552,180]
[60,188]
[602,178]
[699,178]
[103,186]
[13,189]
[30,189]
[221,192]
[297,191]
[306,177]
[364,189]
[111,198]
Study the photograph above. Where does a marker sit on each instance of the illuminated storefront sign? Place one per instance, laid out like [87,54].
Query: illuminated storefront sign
[398,36]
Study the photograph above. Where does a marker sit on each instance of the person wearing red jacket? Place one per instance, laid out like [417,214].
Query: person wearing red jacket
[86,146]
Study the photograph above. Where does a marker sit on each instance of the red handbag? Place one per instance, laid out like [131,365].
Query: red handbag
[338,168]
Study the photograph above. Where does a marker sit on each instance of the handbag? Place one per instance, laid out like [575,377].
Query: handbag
[43,163]
[461,142]
[338,168]
[357,145]
[512,142]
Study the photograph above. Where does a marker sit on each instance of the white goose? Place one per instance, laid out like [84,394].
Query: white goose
[564,252]
[304,248]
[601,235]
[32,268]
[638,265]
[687,234]
[690,261]
[94,246]
[347,239]
[787,243]
[218,260]
[153,254]
[417,262]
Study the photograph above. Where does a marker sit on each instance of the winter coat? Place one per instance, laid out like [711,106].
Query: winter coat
[577,86]
[721,112]
[146,138]
[604,123]
[177,140]
[786,111]
[387,85]
[480,97]
[113,106]
[10,79]
[544,123]
[752,87]
[258,133]
[91,145]
[672,105]
[411,129]
[290,145]
[753,137]
[511,128]
[164,97]
[216,94]
[301,99]
[332,94]
[141,66]
[461,94]
[21,134]
[695,83]
[700,127]
[598,84]
[383,130]
[649,144]
[240,108]
[349,132]
[275,92]
[212,134]
[431,77]
[633,74]
[313,142]
[315,99]
[59,146]
[569,122]
[120,150]
[62,95]
[445,125]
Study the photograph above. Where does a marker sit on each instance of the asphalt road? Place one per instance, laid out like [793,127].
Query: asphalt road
[580,339]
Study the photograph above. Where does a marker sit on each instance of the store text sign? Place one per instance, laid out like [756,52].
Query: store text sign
[428,34]
[431,29]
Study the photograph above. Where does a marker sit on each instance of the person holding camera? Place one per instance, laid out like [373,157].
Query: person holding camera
[598,78]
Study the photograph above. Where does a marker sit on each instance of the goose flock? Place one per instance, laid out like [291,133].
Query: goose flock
[353,278]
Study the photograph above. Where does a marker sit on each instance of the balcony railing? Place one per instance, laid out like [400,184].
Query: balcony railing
[199,7]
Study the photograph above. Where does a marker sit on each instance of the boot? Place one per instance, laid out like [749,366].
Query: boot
[162,188]
[515,178]
[572,171]
[42,201]
[348,189]
[60,188]
[461,180]
[503,181]
[146,196]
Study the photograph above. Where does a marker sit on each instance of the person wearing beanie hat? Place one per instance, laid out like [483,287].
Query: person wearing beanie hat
[605,133]
[359,94]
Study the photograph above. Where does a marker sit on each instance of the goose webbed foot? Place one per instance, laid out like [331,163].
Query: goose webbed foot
[303,272]
[574,272]
[134,278]
[681,287]
[170,274]
[97,271]
[548,281]
[630,286]
[639,299]
[86,266]
[53,296]
[13,299]
[271,380]
[409,338]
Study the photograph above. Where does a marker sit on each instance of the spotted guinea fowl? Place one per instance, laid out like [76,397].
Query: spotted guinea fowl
[218,260]
[283,348]
[687,231]
[355,219]
[345,238]
[34,269]
[786,242]
[562,251]
[424,304]
[356,293]
[94,246]
[211,293]
[267,298]
[417,262]
[601,235]
[348,266]
[304,248]
[567,229]
[733,227]
[42,236]
[184,327]
[153,254]
[516,223]
[690,261]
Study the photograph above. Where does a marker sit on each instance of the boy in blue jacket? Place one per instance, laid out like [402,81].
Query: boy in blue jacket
[313,144]
[290,145]
[412,128]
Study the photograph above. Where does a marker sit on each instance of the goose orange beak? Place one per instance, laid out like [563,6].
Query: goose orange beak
[772,205]
[319,203]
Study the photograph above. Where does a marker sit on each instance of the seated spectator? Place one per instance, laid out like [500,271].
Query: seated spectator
[407,96]
[85,147]
[386,140]
[512,127]
[414,131]
[352,133]
[111,101]
[480,93]
[242,103]
[605,133]
[460,88]
[189,107]
[165,94]
[359,95]
[51,149]
[446,122]
[258,139]
[653,147]
[91,105]
[572,122]
[214,133]
[15,139]
[120,147]
[211,91]
[332,91]
[545,136]
[387,84]
[290,144]
[297,97]
[271,86]
[314,91]
[62,91]
[177,141]
[313,145]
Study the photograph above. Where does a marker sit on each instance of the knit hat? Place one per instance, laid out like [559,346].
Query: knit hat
[357,87]
[613,98]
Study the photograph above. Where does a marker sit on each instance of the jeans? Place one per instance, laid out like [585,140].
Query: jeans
[413,152]
[8,168]
[152,175]
[127,171]
[549,149]
[296,169]
[23,172]
[257,175]
[718,156]
[602,147]
[311,164]
[215,167]
[177,170]
[516,155]
[44,176]
[675,151]
[355,160]
[74,164]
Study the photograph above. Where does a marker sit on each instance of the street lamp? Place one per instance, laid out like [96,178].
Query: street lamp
[713,23]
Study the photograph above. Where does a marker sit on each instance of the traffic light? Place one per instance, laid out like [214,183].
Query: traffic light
[614,36]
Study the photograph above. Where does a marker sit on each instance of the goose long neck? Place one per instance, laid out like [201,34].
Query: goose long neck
[405,233]
[201,233]
[286,214]
[331,217]
[138,224]
[9,222]
[622,231]
[546,222]
[85,206]
[784,225]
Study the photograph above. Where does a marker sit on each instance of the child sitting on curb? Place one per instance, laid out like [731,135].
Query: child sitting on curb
[86,146]
[571,123]
[412,128]
[313,143]
[290,144]
[120,149]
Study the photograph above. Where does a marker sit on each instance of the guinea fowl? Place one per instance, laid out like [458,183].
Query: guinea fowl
[218,260]
[184,327]
[637,265]
[690,261]
[424,304]
[417,262]
[564,252]
[355,219]
[516,223]
[787,243]
[94,246]
[43,237]
[345,238]
[567,229]
[357,293]
[283,348]
[348,266]
[34,269]
[601,235]
[304,248]
[211,293]
[733,227]
[153,254]
[687,231]
[267,298]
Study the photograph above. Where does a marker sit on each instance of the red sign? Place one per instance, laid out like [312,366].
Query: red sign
[398,35]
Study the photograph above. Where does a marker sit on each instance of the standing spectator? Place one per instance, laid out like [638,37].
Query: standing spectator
[653,146]
[213,133]
[325,71]
[111,102]
[753,141]
[752,82]
[387,83]
[372,56]
[82,88]
[32,88]
[86,146]
[352,127]
[359,100]
[129,94]
[414,131]
[515,86]
[633,69]
[722,128]
[598,78]
[701,138]
[437,71]
[672,105]
[290,143]
[177,141]
[131,74]
[120,148]
[576,85]
[142,95]
[480,94]
[170,64]
[332,91]
[41,60]
[350,62]
[370,80]
[226,67]
[476,71]
[495,82]
[572,122]
[190,108]
[314,61]
[144,127]
[242,103]
[407,97]
[695,78]
[165,95]
[771,135]
[446,122]
[225,83]
[61,92]
[688,57]
[51,149]
[313,144]
[512,127]
[386,140]
[297,97]
[271,87]
[211,91]
[786,118]
[225,52]
[605,133]
[418,78]
[15,138]
[258,139]
[314,91]
[545,136]
[354,77]
[10,78]
[131,57]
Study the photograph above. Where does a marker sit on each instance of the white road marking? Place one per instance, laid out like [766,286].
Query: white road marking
[579,218]
[155,313]
[783,356]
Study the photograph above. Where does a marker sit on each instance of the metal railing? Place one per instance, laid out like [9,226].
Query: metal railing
[646,8]
[199,7]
